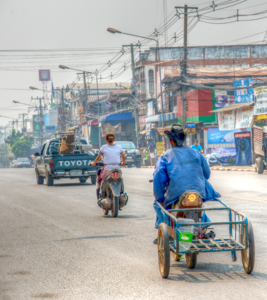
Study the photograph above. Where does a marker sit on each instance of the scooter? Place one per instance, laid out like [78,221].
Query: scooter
[110,193]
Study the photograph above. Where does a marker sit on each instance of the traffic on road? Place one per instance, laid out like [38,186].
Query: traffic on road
[133,150]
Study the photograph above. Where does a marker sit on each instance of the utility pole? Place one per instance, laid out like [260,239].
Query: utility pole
[98,110]
[136,111]
[184,66]
[41,121]
[62,123]
[85,111]
[6,147]
[23,123]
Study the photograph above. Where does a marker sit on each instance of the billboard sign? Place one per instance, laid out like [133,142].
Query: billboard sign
[160,149]
[36,125]
[260,94]
[226,120]
[244,95]
[142,122]
[244,117]
[243,149]
[44,75]
[221,156]
[216,136]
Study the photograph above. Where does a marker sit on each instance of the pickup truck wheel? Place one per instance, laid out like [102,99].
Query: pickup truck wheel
[49,179]
[93,179]
[82,180]
[39,179]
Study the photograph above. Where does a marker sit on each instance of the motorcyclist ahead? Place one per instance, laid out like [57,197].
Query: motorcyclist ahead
[197,147]
[112,154]
[178,170]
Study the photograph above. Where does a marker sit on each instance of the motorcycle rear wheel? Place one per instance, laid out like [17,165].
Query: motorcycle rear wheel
[105,211]
[115,206]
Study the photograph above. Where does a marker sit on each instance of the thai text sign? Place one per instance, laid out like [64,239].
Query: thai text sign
[260,94]
[160,149]
[36,125]
[226,120]
[244,95]
[244,117]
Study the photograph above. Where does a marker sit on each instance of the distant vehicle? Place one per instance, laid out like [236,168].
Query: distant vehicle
[133,155]
[13,164]
[22,162]
[51,164]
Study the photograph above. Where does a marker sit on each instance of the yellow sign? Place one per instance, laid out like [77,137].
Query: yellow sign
[260,117]
[160,149]
[191,131]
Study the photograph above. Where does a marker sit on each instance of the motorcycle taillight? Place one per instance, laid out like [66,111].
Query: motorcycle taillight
[115,176]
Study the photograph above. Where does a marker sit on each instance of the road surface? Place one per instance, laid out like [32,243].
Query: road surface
[56,243]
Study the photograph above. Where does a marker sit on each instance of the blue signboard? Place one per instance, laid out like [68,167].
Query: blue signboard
[191,125]
[245,95]
[243,149]
[216,136]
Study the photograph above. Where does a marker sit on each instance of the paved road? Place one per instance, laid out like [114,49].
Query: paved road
[56,244]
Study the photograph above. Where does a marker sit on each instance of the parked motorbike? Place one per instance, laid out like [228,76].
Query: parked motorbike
[110,193]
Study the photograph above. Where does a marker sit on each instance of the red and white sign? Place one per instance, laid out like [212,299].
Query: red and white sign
[44,75]
[142,122]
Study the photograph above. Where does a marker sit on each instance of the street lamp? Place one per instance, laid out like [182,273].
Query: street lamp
[18,102]
[85,92]
[112,30]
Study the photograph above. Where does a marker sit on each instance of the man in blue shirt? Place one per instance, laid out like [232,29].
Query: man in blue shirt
[197,147]
[178,170]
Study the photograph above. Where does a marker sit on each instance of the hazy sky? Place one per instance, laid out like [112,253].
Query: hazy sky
[81,24]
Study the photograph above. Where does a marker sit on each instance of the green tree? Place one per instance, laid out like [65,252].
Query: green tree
[22,147]
[4,155]
[15,136]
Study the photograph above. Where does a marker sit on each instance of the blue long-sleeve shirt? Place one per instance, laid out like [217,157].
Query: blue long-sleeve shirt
[180,169]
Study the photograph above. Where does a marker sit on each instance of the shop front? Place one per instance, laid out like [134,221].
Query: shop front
[122,124]
[93,133]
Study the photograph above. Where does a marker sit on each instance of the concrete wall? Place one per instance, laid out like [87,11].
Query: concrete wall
[210,55]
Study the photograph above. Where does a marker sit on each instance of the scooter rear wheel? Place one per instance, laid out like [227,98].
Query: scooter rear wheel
[115,207]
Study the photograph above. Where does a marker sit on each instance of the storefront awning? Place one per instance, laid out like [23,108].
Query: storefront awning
[93,122]
[158,118]
[125,117]
[234,107]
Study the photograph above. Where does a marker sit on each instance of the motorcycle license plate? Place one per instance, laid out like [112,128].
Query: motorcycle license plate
[76,172]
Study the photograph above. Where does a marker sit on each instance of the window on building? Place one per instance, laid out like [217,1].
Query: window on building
[151,82]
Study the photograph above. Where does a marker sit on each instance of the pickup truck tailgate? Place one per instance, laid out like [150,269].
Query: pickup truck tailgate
[71,162]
